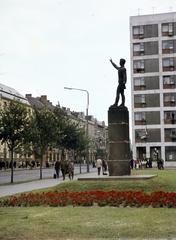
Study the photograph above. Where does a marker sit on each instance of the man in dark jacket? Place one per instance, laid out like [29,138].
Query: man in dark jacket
[57,168]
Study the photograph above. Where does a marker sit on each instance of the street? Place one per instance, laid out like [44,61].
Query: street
[22,175]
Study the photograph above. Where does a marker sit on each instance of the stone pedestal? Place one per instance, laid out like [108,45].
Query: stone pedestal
[119,145]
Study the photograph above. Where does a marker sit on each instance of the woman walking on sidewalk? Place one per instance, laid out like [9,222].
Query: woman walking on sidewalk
[98,165]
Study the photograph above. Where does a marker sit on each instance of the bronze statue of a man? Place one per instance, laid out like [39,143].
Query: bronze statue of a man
[122,78]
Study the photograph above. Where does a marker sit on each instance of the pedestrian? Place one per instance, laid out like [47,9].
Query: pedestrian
[71,170]
[160,164]
[131,163]
[104,167]
[64,168]
[150,163]
[98,165]
[93,164]
[57,168]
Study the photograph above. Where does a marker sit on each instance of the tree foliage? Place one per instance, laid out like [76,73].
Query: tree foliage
[38,132]
[70,136]
[74,137]
[44,132]
[14,126]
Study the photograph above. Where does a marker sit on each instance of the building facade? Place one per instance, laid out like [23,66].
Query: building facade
[153,78]
[97,131]
[6,95]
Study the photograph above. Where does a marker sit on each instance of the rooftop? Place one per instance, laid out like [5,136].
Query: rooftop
[11,93]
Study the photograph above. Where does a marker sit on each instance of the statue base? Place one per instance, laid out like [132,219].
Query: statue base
[119,144]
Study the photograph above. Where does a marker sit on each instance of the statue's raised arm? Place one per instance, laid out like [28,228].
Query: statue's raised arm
[114,65]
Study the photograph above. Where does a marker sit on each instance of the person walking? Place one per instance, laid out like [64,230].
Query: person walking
[104,167]
[57,168]
[71,170]
[98,165]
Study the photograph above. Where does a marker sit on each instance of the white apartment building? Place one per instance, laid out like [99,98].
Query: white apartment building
[153,77]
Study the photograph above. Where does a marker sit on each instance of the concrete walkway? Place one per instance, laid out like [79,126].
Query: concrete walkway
[12,189]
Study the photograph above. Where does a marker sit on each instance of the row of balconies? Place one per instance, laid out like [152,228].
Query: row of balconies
[154,118]
[142,87]
[149,31]
[143,52]
[144,122]
[142,35]
[170,103]
[141,69]
[154,135]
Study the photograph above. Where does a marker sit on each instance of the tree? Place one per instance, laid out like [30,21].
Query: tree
[44,133]
[74,138]
[61,122]
[14,125]
[70,136]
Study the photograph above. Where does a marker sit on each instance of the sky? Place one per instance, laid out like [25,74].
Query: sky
[46,45]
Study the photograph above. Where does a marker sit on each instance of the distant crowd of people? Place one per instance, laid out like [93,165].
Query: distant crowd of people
[5,164]
[67,167]
[19,164]
[145,163]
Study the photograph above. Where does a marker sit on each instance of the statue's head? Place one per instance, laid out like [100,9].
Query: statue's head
[122,62]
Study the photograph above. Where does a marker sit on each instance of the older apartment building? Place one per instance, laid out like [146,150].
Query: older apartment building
[7,94]
[97,130]
[153,76]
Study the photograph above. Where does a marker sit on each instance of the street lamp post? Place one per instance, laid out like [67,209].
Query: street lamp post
[87,124]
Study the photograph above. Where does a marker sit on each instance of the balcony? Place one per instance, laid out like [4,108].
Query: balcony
[138,53]
[169,103]
[138,70]
[168,68]
[170,85]
[167,51]
[140,105]
[169,121]
[140,87]
[140,122]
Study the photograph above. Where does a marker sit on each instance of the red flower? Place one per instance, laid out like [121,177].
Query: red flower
[100,198]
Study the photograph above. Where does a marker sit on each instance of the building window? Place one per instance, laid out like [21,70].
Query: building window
[138,32]
[169,99]
[168,82]
[167,29]
[141,135]
[138,66]
[167,46]
[139,101]
[168,64]
[139,83]
[138,49]
[170,153]
[140,118]
[170,134]
[170,117]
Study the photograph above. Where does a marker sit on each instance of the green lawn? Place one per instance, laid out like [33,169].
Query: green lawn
[165,181]
[47,223]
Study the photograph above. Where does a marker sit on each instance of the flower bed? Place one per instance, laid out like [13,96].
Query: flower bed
[91,198]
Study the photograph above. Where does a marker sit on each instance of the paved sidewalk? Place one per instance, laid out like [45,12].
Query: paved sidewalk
[8,190]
